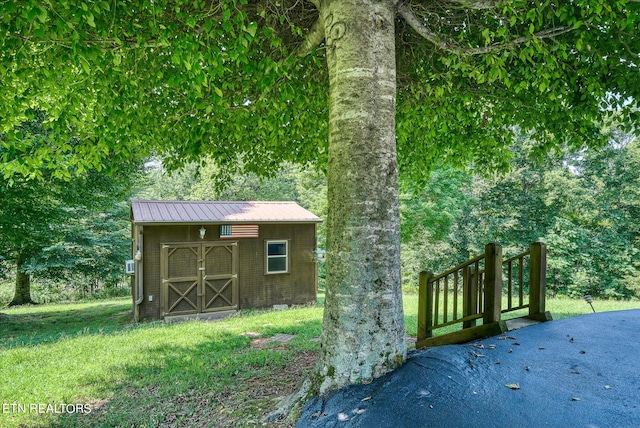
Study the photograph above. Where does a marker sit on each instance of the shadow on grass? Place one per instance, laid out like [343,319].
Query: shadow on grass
[52,325]
[220,380]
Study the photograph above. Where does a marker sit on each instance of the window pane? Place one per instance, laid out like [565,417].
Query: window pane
[277,249]
[277,264]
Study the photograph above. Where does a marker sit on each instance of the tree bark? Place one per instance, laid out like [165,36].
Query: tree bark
[22,294]
[363,335]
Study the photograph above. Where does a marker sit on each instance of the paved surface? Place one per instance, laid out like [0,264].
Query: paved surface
[576,372]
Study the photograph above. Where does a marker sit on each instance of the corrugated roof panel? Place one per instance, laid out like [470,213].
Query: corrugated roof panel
[220,212]
[196,214]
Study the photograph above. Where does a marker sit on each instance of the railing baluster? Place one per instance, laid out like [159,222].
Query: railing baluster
[455,295]
[468,297]
[445,306]
[477,284]
[510,285]
[437,303]
[521,280]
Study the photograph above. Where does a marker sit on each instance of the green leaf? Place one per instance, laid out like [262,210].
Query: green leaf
[252,28]
[42,16]
[85,65]
[90,20]
[486,36]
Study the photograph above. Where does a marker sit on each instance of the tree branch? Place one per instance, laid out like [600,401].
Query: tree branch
[451,46]
[477,4]
[414,22]
[312,39]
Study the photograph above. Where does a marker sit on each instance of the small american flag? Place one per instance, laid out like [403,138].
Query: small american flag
[233,231]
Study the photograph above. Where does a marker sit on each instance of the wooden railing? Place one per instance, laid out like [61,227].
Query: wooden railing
[473,290]
[533,262]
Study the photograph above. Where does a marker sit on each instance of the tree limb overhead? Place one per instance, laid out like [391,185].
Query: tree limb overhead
[476,4]
[449,45]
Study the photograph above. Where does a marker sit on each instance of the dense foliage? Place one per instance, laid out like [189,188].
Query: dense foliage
[74,230]
[583,205]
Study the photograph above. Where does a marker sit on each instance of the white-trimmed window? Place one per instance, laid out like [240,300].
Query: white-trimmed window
[277,256]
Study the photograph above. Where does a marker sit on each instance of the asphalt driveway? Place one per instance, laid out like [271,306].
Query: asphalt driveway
[576,372]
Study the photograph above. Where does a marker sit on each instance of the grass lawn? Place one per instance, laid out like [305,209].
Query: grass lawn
[224,373]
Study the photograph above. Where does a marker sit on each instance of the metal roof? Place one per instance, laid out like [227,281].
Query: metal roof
[172,212]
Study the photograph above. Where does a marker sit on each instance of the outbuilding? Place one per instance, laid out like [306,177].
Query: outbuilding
[203,257]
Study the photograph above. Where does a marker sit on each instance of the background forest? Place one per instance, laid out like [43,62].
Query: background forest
[74,236]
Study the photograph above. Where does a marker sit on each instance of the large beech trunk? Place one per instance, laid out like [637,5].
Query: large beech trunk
[363,328]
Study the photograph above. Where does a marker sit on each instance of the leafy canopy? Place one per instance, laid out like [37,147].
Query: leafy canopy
[184,78]
[245,80]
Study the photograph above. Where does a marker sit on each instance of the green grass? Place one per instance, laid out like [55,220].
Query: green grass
[564,307]
[32,325]
[143,375]
[560,307]
[158,374]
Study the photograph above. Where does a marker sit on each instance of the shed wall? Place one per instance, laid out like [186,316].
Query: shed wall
[256,289]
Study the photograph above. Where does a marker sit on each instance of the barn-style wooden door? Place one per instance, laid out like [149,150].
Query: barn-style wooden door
[199,277]
[220,276]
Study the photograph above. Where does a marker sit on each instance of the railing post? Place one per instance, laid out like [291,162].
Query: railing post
[469,296]
[425,305]
[493,283]
[537,278]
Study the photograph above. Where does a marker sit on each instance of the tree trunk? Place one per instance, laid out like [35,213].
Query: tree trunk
[363,335]
[22,294]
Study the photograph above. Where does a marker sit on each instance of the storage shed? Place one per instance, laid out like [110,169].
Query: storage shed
[197,257]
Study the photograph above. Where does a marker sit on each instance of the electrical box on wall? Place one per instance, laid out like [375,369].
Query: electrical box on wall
[319,256]
[129,267]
